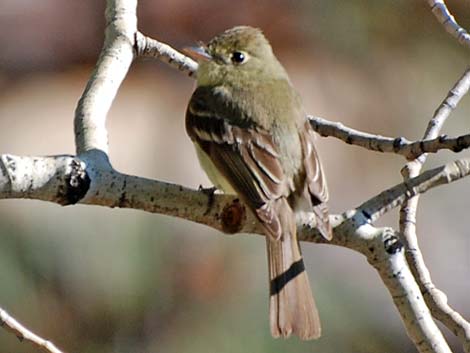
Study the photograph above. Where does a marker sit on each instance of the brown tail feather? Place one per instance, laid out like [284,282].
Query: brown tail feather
[292,307]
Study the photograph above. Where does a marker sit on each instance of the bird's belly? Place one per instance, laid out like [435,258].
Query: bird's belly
[213,173]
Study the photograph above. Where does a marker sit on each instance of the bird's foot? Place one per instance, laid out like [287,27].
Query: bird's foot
[210,196]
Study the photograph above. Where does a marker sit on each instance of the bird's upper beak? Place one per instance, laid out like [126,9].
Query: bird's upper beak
[198,53]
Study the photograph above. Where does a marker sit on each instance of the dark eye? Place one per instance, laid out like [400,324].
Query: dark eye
[238,57]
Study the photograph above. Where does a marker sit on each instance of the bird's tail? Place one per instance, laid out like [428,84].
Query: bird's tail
[292,309]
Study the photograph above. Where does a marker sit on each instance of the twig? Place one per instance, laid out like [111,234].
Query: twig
[435,299]
[24,334]
[397,195]
[149,47]
[400,145]
[445,18]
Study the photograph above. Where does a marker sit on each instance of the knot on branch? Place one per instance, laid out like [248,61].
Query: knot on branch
[233,217]
[77,183]
[398,144]
[392,243]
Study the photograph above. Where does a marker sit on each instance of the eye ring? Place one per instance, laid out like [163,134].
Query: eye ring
[238,57]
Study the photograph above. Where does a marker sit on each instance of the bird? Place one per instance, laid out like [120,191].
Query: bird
[253,139]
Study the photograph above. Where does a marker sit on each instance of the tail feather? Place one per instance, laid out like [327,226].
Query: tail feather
[292,307]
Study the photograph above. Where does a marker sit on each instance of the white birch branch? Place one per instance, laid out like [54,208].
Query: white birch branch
[149,47]
[445,18]
[435,298]
[399,145]
[115,59]
[23,334]
[67,180]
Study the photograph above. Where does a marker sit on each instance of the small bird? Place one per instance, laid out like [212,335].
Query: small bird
[253,139]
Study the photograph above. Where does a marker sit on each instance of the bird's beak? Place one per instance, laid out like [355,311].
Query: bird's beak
[197,53]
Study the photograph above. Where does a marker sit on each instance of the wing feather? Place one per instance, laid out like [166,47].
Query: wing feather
[246,157]
[315,182]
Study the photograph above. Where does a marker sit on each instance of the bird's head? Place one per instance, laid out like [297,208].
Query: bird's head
[238,56]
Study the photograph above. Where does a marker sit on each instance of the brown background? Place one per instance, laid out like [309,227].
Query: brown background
[99,280]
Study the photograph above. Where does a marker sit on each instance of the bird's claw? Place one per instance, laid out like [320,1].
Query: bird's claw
[210,196]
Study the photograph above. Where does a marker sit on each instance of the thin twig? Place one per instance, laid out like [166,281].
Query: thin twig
[399,145]
[398,194]
[445,18]
[435,299]
[149,47]
[24,334]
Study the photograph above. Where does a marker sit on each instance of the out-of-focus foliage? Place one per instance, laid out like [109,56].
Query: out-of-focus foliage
[101,280]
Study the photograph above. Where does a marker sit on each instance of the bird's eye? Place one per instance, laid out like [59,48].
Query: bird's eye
[238,57]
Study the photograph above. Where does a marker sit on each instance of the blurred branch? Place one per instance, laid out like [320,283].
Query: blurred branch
[445,18]
[435,299]
[23,334]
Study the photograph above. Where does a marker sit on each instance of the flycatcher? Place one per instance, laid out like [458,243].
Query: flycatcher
[253,139]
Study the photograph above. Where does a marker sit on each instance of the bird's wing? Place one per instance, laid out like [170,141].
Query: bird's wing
[245,155]
[316,187]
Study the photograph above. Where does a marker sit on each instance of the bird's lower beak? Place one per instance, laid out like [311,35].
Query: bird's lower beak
[197,53]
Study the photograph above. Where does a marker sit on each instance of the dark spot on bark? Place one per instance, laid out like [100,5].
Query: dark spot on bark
[210,192]
[123,200]
[77,183]
[11,164]
[442,138]
[366,214]
[233,216]
[393,245]
[460,144]
[397,144]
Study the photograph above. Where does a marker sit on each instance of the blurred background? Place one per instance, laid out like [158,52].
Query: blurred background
[93,279]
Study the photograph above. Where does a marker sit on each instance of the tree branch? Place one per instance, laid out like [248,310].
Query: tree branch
[435,299]
[399,145]
[68,180]
[149,47]
[113,64]
[23,334]
[445,18]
